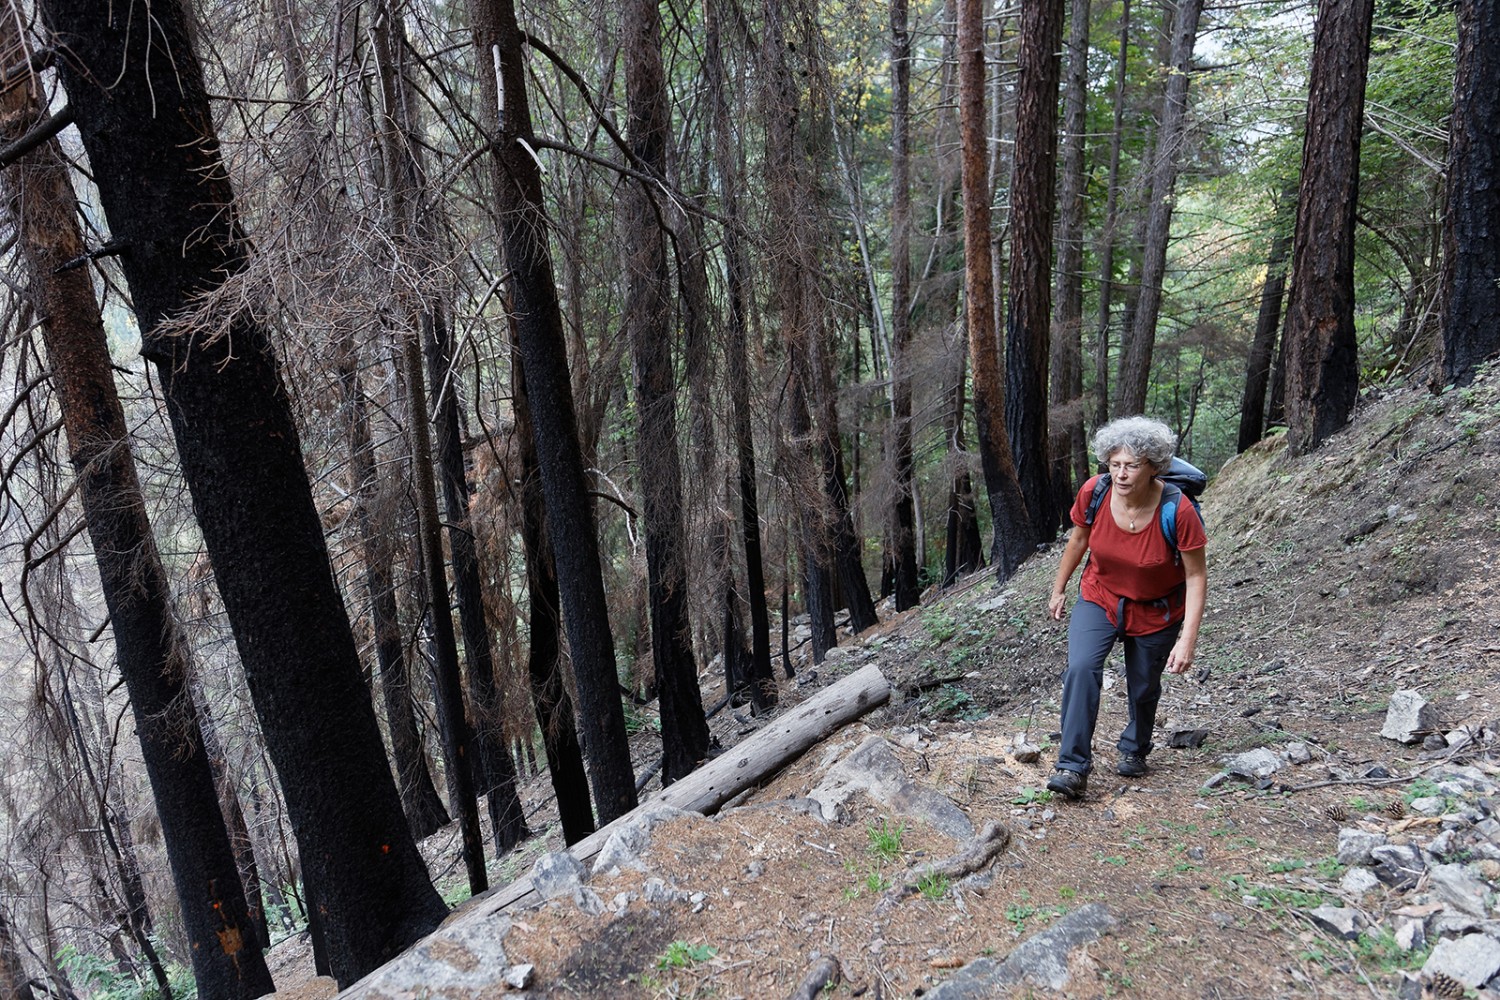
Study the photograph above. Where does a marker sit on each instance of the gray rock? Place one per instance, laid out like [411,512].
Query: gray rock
[624,847]
[1399,865]
[1429,805]
[557,874]
[1355,846]
[1411,934]
[1221,920]
[466,957]
[1455,923]
[1459,888]
[1041,960]
[1298,753]
[874,769]
[1026,753]
[657,891]
[1408,717]
[1359,881]
[1215,780]
[520,977]
[1441,846]
[1187,739]
[1472,960]
[1253,764]
[1432,741]
[588,901]
[1409,988]
[1343,921]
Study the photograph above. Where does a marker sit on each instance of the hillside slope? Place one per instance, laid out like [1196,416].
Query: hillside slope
[1335,580]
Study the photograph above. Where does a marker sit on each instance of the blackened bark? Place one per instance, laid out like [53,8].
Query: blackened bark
[1068,449]
[1140,338]
[495,770]
[419,798]
[570,516]
[173,216]
[1322,369]
[649,324]
[453,721]
[1107,237]
[549,695]
[1014,538]
[738,367]
[1263,343]
[906,587]
[14,983]
[1028,320]
[1471,226]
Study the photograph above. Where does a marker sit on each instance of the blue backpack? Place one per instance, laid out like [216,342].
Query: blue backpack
[1182,479]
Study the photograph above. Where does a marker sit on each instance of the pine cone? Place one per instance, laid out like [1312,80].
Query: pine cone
[1336,811]
[1396,809]
[1445,987]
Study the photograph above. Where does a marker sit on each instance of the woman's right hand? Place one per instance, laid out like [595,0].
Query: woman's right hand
[1055,606]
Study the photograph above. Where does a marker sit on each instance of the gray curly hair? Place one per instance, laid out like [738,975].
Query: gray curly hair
[1148,440]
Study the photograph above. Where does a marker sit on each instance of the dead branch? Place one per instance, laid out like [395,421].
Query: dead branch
[979,852]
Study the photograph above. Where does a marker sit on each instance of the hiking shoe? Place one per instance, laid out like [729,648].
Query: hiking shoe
[1070,784]
[1131,765]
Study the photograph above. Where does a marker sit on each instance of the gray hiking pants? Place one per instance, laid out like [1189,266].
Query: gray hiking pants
[1090,639]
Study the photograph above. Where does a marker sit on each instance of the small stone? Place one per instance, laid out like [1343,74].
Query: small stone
[1355,846]
[1441,846]
[1377,772]
[519,977]
[1410,987]
[1343,921]
[588,901]
[556,874]
[1254,764]
[1399,865]
[1215,780]
[1432,741]
[1408,717]
[1195,854]
[1411,934]
[1026,753]
[1428,805]
[1298,753]
[1359,881]
[1048,815]
[1187,739]
[1472,960]
[755,869]
[1223,921]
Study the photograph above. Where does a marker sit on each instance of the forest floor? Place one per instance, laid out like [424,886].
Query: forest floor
[1335,580]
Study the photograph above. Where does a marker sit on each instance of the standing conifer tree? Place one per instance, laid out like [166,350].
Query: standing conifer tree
[135,94]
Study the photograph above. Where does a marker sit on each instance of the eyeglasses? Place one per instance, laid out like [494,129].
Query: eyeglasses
[1119,467]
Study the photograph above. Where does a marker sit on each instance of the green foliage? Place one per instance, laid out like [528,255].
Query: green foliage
[100,979]
[681,954]
[950,701]
[885,840]
[1028,796]
[940,624]
[933,886]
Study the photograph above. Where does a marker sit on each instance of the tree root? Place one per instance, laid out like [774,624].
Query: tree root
[993,839]
[823,973]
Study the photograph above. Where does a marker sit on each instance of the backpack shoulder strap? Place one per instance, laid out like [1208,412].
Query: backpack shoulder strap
[1096,499]
[1171,496]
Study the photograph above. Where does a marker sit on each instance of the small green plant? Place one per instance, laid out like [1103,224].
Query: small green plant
[876,882]
[1031,796]
[933,886]
[1286,865]
[940,625]
[1112,859]
[1381,949]
[1067,892]
[885,840]
[1361,804]
[1330,868]
[681,954]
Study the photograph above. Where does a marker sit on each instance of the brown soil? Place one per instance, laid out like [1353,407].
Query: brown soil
[1335,579]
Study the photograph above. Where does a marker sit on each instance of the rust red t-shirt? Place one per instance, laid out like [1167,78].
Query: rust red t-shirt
[1139,567]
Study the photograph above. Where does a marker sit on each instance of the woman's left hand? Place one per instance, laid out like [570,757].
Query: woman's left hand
[1180,660]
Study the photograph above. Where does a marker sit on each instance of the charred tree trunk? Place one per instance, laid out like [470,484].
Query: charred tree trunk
[1028,320]
[762,676]
[1135,362]
[419,798]
[1107,235]
[907,589]
[649,322]
[174,219]
[549,695]
[1471,226]
[1069,452]
[570,516]
[495,769]
[1263,344]
[1014,538]
[14,983]
[1322,368]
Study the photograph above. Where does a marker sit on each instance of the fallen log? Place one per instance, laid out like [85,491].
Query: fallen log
[778,743]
